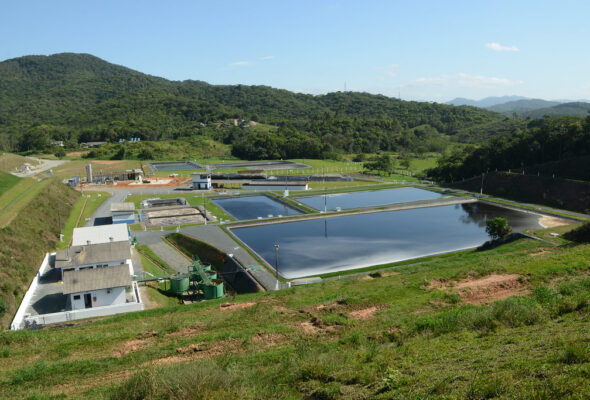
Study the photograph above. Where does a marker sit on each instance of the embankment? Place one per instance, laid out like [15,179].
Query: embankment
[560,193]
[26,239]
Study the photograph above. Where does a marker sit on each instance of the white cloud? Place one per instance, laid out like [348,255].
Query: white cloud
[387,71]
[240,64]
[267,57]
[498,47]
[464,80]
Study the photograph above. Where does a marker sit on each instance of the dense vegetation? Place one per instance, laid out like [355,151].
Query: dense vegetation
[544,142]
[79,98]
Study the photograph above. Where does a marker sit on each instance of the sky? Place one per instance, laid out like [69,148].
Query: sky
[417,50]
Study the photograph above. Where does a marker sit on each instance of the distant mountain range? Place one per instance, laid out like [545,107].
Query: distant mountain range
[526,107]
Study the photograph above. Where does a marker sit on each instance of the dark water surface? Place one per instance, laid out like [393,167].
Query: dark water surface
[325,245]
[252,207]
[369,199]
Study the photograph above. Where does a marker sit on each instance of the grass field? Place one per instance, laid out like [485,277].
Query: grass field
[415,332]
[78,167]
[84,207]
[7,181]
[11,162]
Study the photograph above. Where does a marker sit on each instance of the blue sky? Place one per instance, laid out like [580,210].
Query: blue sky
[423,50]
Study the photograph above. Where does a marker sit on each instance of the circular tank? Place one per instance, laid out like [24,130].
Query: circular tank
[212,275]
[179,284]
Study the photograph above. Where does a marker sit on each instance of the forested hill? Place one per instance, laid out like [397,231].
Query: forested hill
[79,97]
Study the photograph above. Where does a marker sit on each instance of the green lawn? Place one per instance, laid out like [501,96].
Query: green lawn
[84,207]
[7,181]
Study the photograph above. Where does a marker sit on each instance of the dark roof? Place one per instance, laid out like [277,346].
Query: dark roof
[85,280]
[92,254]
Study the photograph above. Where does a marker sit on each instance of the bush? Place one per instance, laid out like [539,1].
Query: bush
[498,228]
[581,234]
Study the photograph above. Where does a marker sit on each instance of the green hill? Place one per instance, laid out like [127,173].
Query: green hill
[79,97]
[575,108]
[522,106]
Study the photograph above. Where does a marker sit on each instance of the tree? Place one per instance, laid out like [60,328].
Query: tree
[59,153]
[405,163]
[385,163]
[498,228]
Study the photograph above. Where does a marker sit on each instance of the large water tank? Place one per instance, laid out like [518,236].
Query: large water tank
[179,284]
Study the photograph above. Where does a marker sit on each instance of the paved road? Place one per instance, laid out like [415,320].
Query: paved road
[43,166]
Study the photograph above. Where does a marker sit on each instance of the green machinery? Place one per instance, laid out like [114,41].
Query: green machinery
[204,279]
[200,278]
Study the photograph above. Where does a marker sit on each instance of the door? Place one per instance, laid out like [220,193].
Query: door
[88,300]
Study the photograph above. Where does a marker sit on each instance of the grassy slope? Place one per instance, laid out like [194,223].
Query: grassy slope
[7,181]
[84,207]
[10,162]
[24,241]
[419,343]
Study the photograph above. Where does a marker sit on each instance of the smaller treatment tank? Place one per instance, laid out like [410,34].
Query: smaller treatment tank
[179,284]
[213,291]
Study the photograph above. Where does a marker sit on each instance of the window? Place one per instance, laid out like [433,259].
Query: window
[77,297]
[108,290]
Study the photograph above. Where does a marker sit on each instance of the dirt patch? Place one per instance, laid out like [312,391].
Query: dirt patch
[78,153]
[268,339]
[366,278]
[315,326]
[135,344]
[203,350]
[73,387]
[552,222]
[487,289]
[235,306]
[364,314]
[188,331]
[391,273]
[540,252]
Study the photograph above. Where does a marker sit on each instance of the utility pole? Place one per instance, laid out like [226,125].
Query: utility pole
[277,265]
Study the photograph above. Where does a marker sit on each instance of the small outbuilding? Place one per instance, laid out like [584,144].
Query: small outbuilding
[123,213]
[88,288]
[202,181]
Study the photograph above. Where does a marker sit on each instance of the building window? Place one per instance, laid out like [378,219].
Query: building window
[77,297]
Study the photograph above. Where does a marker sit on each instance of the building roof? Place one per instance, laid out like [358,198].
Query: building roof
[92,254]
[100,234]
[96,278]
[126,206]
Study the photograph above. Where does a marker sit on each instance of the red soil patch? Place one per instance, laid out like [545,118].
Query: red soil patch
[540,252]
[235,306]
[135,344]
[487,289]
[315,326]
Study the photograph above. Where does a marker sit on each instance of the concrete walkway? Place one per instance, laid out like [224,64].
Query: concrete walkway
[175,260]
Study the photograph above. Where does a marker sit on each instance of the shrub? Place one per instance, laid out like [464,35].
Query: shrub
[498,228]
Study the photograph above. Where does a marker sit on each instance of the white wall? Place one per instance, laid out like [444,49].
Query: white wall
[18,320]
[100,298]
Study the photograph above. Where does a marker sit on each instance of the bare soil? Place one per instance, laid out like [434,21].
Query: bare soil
[364,314]
[487,289]
[552,222]
[235,306]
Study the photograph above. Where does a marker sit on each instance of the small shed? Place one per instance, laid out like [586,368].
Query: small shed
[202,181]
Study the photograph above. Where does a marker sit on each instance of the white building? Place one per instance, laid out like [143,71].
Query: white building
[100,234]
[202,181]
[123,213]
[94,256]
[98,287]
